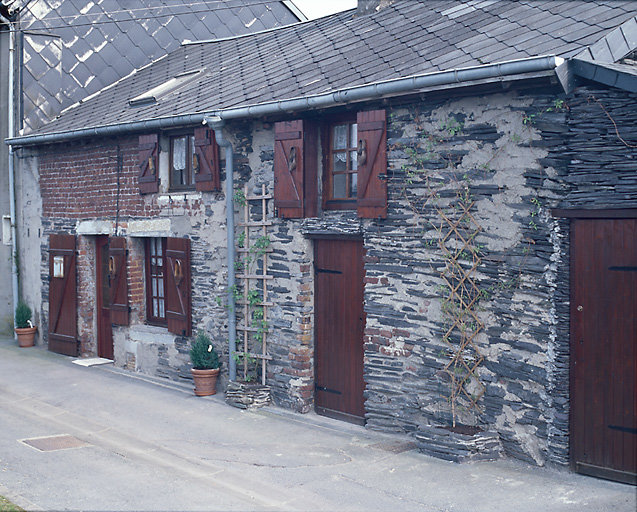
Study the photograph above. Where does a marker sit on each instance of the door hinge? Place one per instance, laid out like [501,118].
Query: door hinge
[327,390]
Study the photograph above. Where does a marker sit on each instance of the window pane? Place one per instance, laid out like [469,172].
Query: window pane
[162,313]
[353,160]
[155,308]
[160,287]
[339,186]
[154,287]
[179,153]
[339,162]
[353,141]
[353,185]
[340,136]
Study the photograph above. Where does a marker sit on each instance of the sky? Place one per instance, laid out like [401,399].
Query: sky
[317,8]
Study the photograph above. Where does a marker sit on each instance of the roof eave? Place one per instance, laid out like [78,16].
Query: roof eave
[388,88]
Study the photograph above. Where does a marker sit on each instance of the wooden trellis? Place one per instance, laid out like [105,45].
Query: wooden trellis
[253,279]
[457,235]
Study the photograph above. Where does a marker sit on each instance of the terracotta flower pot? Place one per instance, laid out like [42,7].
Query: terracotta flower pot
[205,381]
[26,336]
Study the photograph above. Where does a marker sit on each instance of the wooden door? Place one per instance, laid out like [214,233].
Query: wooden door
[103,266]
[62,295]
[340,321]
[603,339]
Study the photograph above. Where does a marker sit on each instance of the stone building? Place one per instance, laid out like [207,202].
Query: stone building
[66,51]
[449,229]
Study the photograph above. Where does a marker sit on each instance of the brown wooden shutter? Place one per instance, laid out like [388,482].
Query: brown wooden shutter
[288,169]
[62,295]
[178,286]
[372,164]
[148,164]
[206,160]
[118,275]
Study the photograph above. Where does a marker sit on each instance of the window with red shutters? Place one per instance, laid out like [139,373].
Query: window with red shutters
[354,165]
[117,272]
[178,287]
[148,153]
[205,162]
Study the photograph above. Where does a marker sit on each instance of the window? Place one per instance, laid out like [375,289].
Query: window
[354,171]
[155,280]
[183,163]
[168,287]
[342,165]
[193,162]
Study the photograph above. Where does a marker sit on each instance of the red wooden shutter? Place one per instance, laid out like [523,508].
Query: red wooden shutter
[178,286]
[288,169]
[62,295]
[372,164]
[148,164]
[206,160]
[118,280]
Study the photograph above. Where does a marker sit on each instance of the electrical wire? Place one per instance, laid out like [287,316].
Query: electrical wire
[42,24]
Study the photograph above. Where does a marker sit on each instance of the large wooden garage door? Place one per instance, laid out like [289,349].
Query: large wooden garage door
[62,295]
[340,322]
[603,340]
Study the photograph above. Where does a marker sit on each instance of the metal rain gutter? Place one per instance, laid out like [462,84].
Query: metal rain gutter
[217,124]
[342,96]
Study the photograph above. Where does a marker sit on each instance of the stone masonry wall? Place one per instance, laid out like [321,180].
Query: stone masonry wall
[513,155]
[79,196]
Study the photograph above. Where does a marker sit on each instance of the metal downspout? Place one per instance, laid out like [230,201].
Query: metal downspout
[11,128]
[216,124]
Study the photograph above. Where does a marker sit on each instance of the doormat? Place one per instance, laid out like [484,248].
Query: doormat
[92,361]
[52,443]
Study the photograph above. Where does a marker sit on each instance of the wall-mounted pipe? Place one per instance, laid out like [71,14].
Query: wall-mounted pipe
[216,124]
[11,129]
[342,96]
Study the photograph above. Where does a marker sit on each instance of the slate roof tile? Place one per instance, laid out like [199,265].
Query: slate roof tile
[338,51]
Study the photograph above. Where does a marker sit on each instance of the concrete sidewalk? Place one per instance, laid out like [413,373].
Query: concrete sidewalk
[153,445]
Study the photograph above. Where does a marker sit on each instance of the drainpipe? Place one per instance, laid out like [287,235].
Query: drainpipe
[12,208]
[216,123]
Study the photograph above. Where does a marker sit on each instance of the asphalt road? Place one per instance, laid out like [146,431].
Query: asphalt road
[148,444]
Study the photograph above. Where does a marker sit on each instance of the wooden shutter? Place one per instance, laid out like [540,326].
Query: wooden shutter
[206,160]
[118,280]
[62,295]
[288,169]
[148,164]
[178,286]
[372,164]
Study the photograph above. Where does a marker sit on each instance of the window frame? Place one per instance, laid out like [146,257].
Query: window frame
[150,318]
[189,171]
[327,143]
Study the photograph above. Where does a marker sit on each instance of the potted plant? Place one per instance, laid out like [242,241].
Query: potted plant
[205,365]
[23,326]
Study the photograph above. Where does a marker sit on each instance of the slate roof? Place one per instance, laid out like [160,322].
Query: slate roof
[344,50]
[74,48]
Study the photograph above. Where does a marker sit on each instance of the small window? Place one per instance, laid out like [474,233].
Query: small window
[182,162]
[342,165]
[156,280]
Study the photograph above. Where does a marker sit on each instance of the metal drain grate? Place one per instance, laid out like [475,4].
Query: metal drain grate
[52,443]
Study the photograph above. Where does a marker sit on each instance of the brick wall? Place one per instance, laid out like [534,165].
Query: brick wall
[80,181]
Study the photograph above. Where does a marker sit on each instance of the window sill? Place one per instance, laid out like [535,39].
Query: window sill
[150,334]
[175,198]
[340,205]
